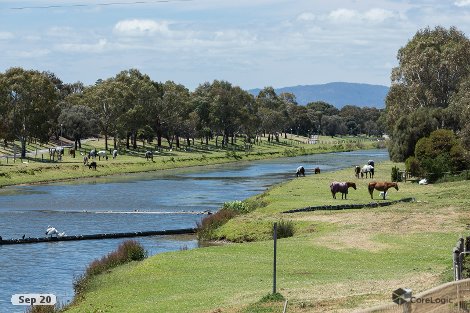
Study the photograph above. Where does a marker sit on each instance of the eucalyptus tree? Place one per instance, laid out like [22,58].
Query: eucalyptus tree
[460,110]
[321,109]
[431,68]
[201,99]
[29,99]
[225,109]
[272,111]
[175,107]
[78,121]
[107,99]
[140,96]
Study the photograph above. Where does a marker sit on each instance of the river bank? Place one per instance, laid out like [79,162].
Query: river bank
[40,169]
[337,261]
[96,205]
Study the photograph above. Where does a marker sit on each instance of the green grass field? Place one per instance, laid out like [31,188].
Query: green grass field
[39,167]
[337,261]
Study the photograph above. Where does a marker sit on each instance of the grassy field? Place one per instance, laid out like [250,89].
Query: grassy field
[338,261]
[38,167]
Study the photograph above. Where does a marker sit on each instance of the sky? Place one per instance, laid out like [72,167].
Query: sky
[250,43]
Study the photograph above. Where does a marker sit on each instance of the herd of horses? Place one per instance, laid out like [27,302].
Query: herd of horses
[367,170]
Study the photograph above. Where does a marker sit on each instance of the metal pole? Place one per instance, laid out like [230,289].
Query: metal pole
[274,262]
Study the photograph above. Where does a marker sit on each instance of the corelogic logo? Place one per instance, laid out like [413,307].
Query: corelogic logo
[401,295]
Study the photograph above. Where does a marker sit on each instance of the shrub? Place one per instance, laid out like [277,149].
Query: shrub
[412,166]
[285,229]
[208,225]
[237,205]
[127,251]
[43,309]
[396,174]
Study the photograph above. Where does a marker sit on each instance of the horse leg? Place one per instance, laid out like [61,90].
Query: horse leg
[371,191]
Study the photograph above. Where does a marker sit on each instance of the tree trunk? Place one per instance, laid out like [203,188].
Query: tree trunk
[106,141]
[23,147]
[134,140]
[127,140]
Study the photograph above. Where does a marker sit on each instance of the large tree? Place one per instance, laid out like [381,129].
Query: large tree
[29,101]
[431,68]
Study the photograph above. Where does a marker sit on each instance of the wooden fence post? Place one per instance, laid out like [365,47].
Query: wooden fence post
[455,263]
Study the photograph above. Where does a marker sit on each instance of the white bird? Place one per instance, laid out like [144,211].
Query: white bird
[51,231]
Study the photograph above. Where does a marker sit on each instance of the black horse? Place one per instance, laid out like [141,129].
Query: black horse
[92,165]
[300,171]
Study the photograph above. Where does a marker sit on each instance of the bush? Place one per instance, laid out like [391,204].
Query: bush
[43,309]
[412,166]
[237,205]
[285,229]
[396,177]
[208,225]
[127,251]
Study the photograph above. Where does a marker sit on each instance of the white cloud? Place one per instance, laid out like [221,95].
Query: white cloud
[375,15]
[343,15]
[6,35]
[84,47]
[37,53]
[378,15]
[137,27]
[462,3]
[306,16]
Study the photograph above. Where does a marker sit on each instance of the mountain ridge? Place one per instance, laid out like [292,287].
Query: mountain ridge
[338,94]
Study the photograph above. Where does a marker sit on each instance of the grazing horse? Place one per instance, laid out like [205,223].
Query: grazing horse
[102,154]
[92,165]
[149,155]
[300,171]
[341,187]
[317,170]
[357,171]
[115,153]
[381,186]
[72,152]
[92,154]
[367,169]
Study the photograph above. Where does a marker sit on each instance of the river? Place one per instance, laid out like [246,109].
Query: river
[125,203]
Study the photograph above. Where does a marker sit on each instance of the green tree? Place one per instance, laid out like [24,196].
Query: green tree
[431,68]
[78,122]
[29,101]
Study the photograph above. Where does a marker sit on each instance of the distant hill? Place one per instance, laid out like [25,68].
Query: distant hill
[338,94]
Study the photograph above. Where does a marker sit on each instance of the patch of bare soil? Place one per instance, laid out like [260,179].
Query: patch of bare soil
[342,297]
[357,228]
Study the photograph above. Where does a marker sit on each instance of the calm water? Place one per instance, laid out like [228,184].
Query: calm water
[137,202]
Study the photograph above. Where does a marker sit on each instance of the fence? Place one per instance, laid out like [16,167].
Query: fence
[451,297]
[459,253]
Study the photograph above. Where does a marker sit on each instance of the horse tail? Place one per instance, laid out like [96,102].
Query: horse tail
[371,189]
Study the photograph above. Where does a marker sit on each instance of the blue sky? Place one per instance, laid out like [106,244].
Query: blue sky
[250,43]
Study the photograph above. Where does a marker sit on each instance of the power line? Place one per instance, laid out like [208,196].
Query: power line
[54,6]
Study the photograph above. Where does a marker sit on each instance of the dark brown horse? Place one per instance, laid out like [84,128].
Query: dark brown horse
[381,186]
[341,187]
[317,170]
[357,171]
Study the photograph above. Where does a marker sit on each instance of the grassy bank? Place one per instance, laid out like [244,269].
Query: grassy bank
[337,261]
[39,168]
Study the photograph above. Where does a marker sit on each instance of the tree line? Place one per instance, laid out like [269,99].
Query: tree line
[428,104]
[130,106]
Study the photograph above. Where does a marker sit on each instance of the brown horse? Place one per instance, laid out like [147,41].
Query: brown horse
[381,186]
[317,170]
[341,187]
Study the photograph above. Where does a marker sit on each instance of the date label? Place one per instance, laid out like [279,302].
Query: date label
[33,299]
